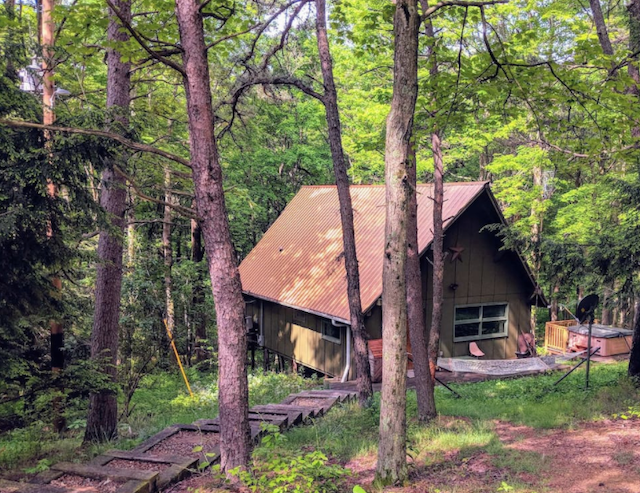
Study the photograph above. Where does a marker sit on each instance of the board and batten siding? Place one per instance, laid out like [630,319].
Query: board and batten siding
[285,334]
[485,275]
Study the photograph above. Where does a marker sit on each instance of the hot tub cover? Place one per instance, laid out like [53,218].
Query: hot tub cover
[600,331]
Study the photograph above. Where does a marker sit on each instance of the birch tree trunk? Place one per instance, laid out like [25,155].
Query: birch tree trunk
[392,463]
[365,389]
[223,267]
[102,422]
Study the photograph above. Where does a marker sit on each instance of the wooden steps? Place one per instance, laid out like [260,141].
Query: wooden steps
[296,415]
[7,486]
[295,409]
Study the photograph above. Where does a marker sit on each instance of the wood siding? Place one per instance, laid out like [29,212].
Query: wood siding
[484,275]
[301,341]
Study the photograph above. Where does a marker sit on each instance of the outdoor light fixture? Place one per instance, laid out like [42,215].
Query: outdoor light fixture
[31,79]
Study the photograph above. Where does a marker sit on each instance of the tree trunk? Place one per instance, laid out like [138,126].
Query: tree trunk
[223,268]
[167,253]
[601,27]
[418,335]
[392,463]
[606,309]
[485,159]
[12,42]
[553,311]
[47,27]
[634,45]
[433,334]
[536,236]
[634,357]
[102,422]
[365,389]
[438,254]
[199,317]
[633,10]
[131,231]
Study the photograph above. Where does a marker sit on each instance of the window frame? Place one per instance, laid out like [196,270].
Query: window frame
[300,318]
[481,336]
[326,337]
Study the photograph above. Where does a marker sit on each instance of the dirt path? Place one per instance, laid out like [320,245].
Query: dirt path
[602,457]
[597,457]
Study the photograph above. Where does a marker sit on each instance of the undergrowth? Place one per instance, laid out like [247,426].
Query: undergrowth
[315,454]
[160,401]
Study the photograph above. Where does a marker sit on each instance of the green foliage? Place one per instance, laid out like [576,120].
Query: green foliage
[161,400]
[308,472]
[348,431]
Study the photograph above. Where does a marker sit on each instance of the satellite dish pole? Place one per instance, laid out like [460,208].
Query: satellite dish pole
[586,311]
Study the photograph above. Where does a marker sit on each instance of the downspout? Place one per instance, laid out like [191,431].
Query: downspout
[261,336]
[347,368]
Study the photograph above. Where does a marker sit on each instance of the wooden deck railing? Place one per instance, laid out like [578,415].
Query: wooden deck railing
[556,335]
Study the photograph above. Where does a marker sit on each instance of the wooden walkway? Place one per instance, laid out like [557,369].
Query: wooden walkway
[172,454]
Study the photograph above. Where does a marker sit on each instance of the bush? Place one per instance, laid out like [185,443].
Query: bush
[273,472]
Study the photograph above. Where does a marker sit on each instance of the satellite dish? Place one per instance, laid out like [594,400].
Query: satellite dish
[586,307]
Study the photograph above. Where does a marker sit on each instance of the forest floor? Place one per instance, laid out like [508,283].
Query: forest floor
[595,457]
[520,436]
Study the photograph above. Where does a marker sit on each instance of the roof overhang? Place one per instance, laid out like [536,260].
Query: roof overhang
[306,310]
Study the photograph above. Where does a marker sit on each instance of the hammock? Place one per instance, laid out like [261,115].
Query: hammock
[493,366]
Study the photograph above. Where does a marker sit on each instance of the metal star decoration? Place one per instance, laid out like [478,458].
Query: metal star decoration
[457,253]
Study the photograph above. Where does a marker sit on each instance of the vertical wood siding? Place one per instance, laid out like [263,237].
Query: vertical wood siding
[485,275]
[303,343]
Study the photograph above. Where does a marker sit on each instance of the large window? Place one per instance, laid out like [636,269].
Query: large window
[331,333]
[484,321]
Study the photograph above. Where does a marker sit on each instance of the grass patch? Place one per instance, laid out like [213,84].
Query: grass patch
[517,461]
[537,402]
[465,426]
[161,400]
[624,458]
[346,431]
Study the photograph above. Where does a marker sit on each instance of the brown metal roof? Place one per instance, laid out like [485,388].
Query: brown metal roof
[299,260]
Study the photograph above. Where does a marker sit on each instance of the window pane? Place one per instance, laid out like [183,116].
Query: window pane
[331,331]
[494,311]
[467,330]
[468,313]
[496,327]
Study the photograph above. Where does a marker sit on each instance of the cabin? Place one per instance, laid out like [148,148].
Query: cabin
[295,287]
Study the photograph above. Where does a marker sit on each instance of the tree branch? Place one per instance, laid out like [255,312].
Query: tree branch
[264,26]
[137,36]
[264,80]
[459,3]
[100,133]
[185,211]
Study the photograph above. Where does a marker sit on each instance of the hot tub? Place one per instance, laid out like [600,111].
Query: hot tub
[610,340]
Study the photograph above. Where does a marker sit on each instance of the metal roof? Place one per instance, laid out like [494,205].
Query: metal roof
[299,260]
